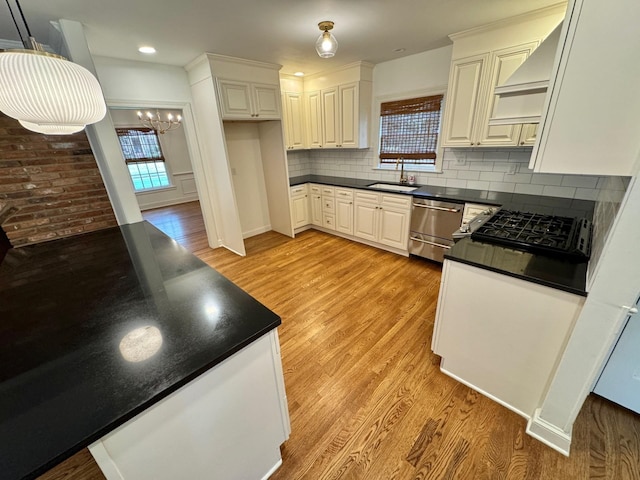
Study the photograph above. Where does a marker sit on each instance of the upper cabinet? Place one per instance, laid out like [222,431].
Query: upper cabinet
[590,121]
[293,116]
[244,100]
[337,108]
[482,59]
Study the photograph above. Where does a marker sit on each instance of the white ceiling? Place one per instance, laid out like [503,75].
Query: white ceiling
[275,31]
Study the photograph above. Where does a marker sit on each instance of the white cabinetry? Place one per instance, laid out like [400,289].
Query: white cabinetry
[590,121]
[293,118]
[315,198]
[344,210]
[482,59]
[338,107]
[244,100]
[299,206]
[490,342]
[328,207]
[382,218]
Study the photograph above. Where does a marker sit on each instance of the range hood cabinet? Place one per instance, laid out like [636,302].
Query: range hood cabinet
[522,96]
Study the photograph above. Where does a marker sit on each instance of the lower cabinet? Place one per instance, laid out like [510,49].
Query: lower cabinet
[501,336]
[299,206]
[380,218]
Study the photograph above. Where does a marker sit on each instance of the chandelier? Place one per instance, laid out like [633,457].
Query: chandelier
[45,92]
[156,123]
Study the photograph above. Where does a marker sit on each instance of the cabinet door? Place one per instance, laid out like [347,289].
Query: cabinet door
[316,209]
[529,134]
[293,120]
[394,227]
[348,116]
[503,63]
[300,211]
[463,101]
[314,119]
[365,221]
[235,99]
[344,215]
[330,118]
[267,104]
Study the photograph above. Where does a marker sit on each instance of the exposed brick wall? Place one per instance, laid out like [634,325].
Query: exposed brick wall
[54,183]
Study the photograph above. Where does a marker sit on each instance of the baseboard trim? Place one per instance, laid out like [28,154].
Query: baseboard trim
[168,203]
[273,469]
[549,434]
[256,231]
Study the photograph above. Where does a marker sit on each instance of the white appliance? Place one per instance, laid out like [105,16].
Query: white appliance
[620,379]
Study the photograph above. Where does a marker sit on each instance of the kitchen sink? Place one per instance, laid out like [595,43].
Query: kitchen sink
[392,186]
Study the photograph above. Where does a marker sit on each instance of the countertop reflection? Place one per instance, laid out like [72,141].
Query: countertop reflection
[555,272]
[97,328]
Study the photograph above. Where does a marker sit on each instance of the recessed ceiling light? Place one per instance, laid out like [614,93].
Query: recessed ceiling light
[147,50]
[399,50]
[299,74]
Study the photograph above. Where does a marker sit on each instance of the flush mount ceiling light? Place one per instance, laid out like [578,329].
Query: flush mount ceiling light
[46,92]
[326,45]
[147,50]
[155,122]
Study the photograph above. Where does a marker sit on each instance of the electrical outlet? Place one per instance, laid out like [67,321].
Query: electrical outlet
[461,161]
[513,169]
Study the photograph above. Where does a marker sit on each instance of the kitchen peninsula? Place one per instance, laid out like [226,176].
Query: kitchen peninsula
[123,341]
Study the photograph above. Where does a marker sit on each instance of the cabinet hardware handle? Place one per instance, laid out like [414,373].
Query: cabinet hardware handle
[521,143]
[430,243]
[454,210]
[478,143]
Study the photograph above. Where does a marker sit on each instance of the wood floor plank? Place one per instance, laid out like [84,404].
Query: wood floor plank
[367,399]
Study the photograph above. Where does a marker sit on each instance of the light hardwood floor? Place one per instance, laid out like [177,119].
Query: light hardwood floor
[366,397]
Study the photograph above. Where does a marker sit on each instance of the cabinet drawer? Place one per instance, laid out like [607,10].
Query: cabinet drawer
[328,191]
[299,190]
[344,193]
[367,197]
[315,188]
[396,201]
[329,221]
[328,205]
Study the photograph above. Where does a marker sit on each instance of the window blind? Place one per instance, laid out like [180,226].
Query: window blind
[139,144]
[409,130]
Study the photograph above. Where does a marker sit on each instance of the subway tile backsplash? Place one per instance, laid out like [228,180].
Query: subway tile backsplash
[503,170]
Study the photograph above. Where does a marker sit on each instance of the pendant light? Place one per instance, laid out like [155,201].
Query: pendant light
[46,92]
[326,45]
[156,123]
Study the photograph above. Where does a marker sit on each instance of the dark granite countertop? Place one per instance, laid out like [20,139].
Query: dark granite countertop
[554,272]
[71,366]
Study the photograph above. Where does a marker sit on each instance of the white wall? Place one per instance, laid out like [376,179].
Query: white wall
[131,84]
[177,161]
[245,160]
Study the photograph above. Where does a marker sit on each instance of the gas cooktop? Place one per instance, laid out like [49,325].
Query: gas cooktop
[565,236]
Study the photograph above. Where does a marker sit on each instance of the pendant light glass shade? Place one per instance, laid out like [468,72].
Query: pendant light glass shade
[326,45]
[48,91]
[52,129]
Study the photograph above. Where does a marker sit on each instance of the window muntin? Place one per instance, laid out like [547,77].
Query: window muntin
[143,155]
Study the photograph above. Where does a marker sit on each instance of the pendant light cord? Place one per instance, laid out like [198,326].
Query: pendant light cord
[15,22]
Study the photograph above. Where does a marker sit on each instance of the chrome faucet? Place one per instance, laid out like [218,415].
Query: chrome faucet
[403,179]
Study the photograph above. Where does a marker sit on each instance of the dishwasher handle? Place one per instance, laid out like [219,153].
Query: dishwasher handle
[430,243]
[431,207]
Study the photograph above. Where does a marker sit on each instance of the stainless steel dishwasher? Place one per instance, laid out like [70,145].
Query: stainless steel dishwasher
[432,225]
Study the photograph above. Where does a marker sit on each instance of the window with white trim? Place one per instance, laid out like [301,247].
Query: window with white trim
[409,131]
[145,161]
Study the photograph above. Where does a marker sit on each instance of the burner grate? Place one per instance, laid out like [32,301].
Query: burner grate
[535,232]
